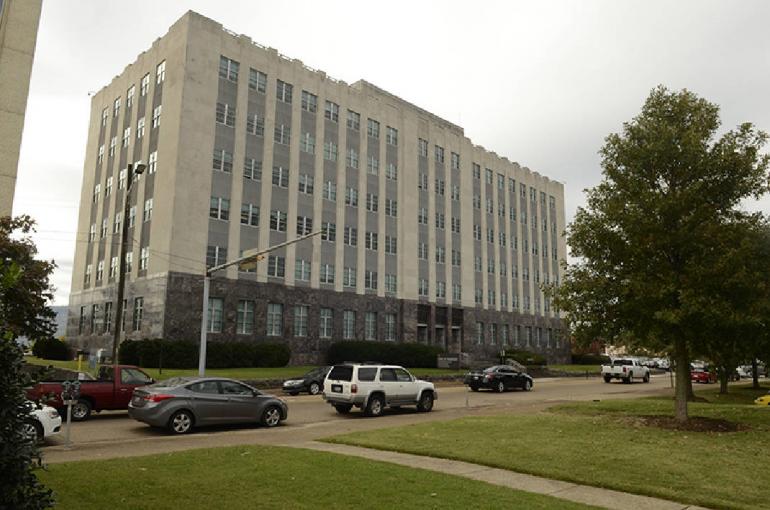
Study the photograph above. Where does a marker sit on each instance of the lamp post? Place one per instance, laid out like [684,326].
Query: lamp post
[249,258]
[135,168]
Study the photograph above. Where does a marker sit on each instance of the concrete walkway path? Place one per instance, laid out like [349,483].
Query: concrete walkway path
[585,494]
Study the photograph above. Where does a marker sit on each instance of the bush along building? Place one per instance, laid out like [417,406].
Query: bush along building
[425,238]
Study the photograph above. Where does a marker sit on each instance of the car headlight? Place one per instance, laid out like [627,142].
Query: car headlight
[53,414]
[293,382]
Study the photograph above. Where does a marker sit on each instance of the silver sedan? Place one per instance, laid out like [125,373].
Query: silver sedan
[182,403]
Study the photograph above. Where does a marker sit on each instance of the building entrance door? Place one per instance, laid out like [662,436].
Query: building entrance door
[441,337]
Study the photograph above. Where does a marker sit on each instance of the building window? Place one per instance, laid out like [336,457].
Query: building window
[222,160]
[245,320]
[100,271]
[372,202]
[113,144]
[422,182]
[479,297]
[220,208]
[215,315]
[391,136]
[352,160]
[307,143]
[391,245]
[440,255]
[370,280]
[255,125]
[144,258]
[354,120]
[351,197]
[160,73]
[302,270]
[330,151]
[328,232]
[327,273]
[304,225]
[225,114]
[283,91]
[348,324]
[455,161]
[373,128]
[116,108]
[309,102]
[156,116]
[373,165]
[280,177]
[278,221]
[390,327]
[391,207]
[349,277]
[147,216]
[479,333]
[87,278]
[249,215]
[257,81]
[422,287]
[440,290]
[252,169]
[140,128]
[370,326]
[282,134]
[228,68]
[457,293]
[351,236]
[422,216]
[300,320]
[116,226]
[144,85]
[107,316]
[105,116]
[332,112]
[126,136]
[391,172]
[100,156]
[390,283]
[492,333]
[330,191]
[439,154]
[306,184]
[422,147]
[215,256]
[82,321]
[276,266]
[440,221]
[274,319]
[456,258]
[152,165]
[370,240]
[138,312]
[422,251]
[325,323]
[455,225]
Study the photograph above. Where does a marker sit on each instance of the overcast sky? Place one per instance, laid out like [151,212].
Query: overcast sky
[541,82]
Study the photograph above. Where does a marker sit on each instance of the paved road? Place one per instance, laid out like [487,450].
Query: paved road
[114,434]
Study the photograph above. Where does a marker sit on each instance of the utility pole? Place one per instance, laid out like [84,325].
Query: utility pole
[137,168]
[248,260]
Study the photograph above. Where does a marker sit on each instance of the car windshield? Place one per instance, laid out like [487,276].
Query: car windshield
[170,383]
[317,371]
[490,369]
[621,362]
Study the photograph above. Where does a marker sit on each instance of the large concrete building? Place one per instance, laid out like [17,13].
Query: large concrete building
[19,20]
[426,236]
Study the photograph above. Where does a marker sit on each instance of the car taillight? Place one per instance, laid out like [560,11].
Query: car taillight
[624,370]
[157,397]
[353,388]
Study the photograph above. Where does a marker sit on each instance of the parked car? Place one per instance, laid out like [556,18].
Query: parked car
[312,382]
[498,378]
[625,369]
[374,387]
[43,422]
[703,375]
[180,404]
[764,400]
[107,392]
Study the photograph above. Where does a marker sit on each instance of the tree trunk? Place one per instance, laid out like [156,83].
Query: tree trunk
[723,378]
[682,379]
[690,392]
[754,374]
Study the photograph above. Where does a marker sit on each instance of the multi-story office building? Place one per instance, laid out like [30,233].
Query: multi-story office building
[19,20]
[426,237]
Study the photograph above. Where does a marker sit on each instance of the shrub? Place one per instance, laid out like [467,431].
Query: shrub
[526,357]
[405,354]
[151,353]
[51,348]
[590,359]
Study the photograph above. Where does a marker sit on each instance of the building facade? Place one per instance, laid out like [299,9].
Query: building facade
[425,236]
[19,20]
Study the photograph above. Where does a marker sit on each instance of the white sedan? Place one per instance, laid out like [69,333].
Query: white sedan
[43,422]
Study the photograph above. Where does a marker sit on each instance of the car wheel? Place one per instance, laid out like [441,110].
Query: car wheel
[81,410]
[343,408]
[32,431]
[314,389]
[271,416]
[181,422]
[646,378]
[474,388]
[607,379]
[425,404]
[374,406]
[500,387]
[527,385]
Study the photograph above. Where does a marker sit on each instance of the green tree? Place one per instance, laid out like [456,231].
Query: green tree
[24,292]
[641,238]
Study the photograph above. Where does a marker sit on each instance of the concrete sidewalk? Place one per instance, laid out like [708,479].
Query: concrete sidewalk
[585,494]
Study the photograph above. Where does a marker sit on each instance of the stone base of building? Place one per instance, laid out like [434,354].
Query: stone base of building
[172,310]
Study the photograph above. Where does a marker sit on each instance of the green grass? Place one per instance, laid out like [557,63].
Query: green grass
[577,368]
[271,477]
[600,444]
[234,373]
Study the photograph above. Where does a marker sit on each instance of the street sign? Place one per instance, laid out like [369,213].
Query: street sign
[249,264]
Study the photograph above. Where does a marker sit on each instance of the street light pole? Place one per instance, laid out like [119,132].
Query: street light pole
[249,257]
[137,167]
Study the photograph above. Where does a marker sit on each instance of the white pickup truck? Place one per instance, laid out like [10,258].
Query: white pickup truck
[625,369]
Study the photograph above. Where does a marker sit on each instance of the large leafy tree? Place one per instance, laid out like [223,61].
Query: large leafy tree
[24,292]
[641,239]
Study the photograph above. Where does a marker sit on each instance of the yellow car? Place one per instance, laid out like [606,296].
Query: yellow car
[764,400]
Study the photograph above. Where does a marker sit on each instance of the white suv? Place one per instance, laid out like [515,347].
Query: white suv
[372,387]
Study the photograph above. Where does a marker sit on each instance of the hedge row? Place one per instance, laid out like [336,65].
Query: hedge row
[405,354]
[152,353]
[526,357]
[51,348]
[590,359]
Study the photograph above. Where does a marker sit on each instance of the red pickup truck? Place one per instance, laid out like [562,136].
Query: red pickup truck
[107,392]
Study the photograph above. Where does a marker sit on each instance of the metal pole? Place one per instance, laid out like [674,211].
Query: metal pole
[204,326]
[67,442]
[122,266]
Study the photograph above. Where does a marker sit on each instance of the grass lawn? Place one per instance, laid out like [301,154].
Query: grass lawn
[605,444]
[271,477]
[577,368]
[235,373]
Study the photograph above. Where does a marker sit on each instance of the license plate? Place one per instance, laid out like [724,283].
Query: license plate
[337,388]
[475,378]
